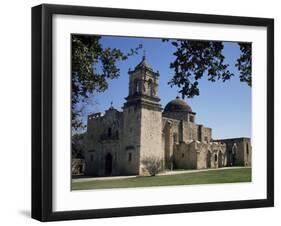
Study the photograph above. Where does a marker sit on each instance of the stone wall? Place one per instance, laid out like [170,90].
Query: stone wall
[218,155]
[127,138]
[185,156]
[204,133]
[130,158]
[189,131]
[151,136]
[202,154]
[171,136]
[239,151]
[104,143]
[199,155]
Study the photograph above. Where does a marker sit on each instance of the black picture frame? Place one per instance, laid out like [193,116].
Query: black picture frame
[42,111]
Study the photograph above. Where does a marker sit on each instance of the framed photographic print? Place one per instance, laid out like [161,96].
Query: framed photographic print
[145,112]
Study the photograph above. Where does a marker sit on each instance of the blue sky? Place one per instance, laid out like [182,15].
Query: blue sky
[224,107]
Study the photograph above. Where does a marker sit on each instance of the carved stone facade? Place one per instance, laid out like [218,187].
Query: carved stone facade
[118,142]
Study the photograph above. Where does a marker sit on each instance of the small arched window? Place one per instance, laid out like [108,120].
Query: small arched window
[216,157]
[150,88]
[130,157]
[138,86]
[109,132]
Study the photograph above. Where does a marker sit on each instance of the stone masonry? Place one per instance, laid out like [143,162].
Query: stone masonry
[118,142]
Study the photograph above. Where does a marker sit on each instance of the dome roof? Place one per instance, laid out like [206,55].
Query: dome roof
[177,105]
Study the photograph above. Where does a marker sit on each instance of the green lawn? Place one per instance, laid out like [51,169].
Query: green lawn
[206,177]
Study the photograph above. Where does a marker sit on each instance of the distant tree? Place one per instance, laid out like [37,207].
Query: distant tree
[92,67]
[78,146]
[195,58]
[244,63]
[153,165]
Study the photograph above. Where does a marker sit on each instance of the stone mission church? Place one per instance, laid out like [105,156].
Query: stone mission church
[117,142]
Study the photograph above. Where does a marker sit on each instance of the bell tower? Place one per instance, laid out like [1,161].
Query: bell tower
[142,116]
[143,82]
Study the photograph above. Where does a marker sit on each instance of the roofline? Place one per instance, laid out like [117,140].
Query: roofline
[235,138]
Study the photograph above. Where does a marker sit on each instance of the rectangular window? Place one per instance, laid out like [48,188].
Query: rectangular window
[191,118]
[130,157]
[175,138]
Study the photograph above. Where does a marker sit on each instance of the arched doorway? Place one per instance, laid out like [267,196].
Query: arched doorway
[108,164]
[216,160]
[220,162]
[209,159]
[233,154]
[247,155]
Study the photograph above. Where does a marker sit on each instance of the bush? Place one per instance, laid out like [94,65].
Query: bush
[153,165]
